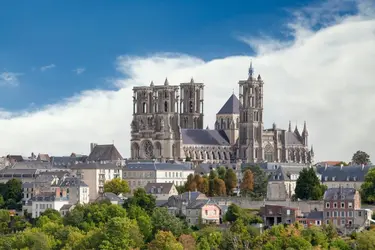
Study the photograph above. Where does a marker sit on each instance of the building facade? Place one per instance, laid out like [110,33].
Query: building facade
[168,124]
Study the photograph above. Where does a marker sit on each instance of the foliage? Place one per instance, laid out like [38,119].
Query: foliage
[247,184]
[230,180]
[361,157]
[219,188]
[188,242]
[116,186]
[142,199]
[368,187]
[11,194]
[164,221]
[235,213]
[308,185]
[181,189]
[260,181]
[165,240]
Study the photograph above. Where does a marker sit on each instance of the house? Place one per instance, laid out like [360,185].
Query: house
[105,154]
[345,176]
[177,204]
[203,212]
[313,218]
[43,157]
[139,174]
[14,158]
[65,209]
[340,205]
[25,175]
[78,192]
[43,201]
[96,174]
[162,191]
[112,198]
[282,181]
[275,214]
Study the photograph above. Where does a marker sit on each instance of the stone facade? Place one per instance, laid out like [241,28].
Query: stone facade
[168,124]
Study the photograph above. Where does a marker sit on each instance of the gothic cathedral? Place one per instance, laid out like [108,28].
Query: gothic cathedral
[168,125]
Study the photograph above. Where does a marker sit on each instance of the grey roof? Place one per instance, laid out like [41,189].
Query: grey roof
[315,215]
[95,165]
[140,166]
[28,185]
[205,168]
[197,204]
[339,193]
[292,139]
[204,137]
[18,173]
[66,207]
[46,196]
[283,173]
[104,153]
[62,161]
[72,182]
[160,188]
[32,165]
[43,157]
[232,106]
[345,173]
[17,158]
[193,196]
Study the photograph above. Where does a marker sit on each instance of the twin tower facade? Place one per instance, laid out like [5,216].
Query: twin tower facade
[168,124]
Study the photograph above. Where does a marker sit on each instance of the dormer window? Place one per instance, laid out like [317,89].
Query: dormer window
[334,178]
[354,178]
[347,178]
[326,178]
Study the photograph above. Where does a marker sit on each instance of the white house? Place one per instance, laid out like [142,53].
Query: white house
[162,191]
[96,174]
[53,200]
[139,174]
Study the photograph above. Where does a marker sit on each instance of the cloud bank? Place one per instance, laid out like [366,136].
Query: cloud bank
[323,75]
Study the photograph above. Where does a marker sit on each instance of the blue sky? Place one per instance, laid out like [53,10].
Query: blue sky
[75,34]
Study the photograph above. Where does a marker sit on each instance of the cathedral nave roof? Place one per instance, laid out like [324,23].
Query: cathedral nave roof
[204,137]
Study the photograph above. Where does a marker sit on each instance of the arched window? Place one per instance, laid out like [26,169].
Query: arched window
[166,106]
[144,108]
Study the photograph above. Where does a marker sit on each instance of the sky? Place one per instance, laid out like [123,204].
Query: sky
[67,68]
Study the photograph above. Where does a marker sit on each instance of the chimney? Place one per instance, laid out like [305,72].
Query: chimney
[325,166]
[57,193]
[363,166]
[189,197]
[92,146]
[341,166]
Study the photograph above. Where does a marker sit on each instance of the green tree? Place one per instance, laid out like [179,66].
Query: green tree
[368,187]
[308,185]
[2,202]
[117,186]
[143,220]
[221,171]
[247,184]
[260,181]
[141,199]
[316,236]
[211,178]
[361,157]
[164,221]
[166,241]
[190,184]
[230,180]
[219,188]
[365,240]
[188,242]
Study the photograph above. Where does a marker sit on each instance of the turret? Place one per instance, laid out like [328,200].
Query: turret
[305,134]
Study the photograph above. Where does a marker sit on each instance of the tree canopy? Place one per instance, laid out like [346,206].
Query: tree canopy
[117,186]
[368,187]
[361,157]
[247,184]
[308,185]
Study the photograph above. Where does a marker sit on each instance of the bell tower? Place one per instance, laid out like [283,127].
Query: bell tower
[251,118]
[191,107]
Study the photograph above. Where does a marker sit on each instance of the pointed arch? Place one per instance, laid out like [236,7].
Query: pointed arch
[135,150]
[157,149]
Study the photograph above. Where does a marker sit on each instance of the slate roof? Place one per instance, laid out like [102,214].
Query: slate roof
[315,215]
[345,173]
[31,165]
[197,204]
[292,139]
[283,173]
[62,161]
[72,182]
[337,193]
[18,173]
[204,137]
[205,168]
[141,166]
[164,188]
[17,158]
[95,165]
[66,206]
[47,196]
[104,153]
[232,106]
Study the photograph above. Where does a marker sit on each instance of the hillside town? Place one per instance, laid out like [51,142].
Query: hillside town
[238,172]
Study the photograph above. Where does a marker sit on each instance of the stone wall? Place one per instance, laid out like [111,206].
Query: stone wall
[304,206]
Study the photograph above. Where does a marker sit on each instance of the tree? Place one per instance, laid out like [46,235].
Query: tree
[247,184]
[260,182]
[13,190]
[188,242]
[166,241]
[219,188]
[164,221]
[117,186]
[361,157]
[230,180]
[221,171]
[143,220]
[368,187]
[308,185]
[141,199]
[190,184]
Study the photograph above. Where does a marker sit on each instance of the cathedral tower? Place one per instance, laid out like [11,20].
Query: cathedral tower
[228,118]
[155,121]
[191,108]
[251,119]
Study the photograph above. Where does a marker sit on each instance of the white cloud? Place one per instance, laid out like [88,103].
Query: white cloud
[47,67]
[325,77]
[9,79]
[79,71]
